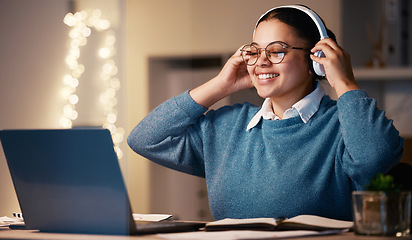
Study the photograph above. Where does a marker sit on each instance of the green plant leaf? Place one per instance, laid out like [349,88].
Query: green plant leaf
[384,183]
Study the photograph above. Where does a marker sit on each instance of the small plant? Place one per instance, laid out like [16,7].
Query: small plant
[383,209]
[384,183]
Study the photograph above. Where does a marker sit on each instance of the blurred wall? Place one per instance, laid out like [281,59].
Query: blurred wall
[33,48]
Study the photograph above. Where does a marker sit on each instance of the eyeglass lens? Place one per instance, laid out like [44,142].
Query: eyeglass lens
[275,52]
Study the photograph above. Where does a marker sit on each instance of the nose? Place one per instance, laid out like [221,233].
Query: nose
[262,58]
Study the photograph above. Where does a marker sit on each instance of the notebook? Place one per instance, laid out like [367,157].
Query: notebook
[69,180]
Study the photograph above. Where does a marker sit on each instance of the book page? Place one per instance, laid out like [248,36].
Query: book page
[302,222]
[312,220]
[151,217]
[247,221]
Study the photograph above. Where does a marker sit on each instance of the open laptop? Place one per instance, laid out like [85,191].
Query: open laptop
[69,180]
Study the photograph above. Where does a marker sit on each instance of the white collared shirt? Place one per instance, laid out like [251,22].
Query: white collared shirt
[305,108]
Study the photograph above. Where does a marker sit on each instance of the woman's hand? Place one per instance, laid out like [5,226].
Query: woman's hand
[337,66]
[232,78]
[234,74]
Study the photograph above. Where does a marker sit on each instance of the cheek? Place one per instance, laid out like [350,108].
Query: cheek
[298,65]
[251,70]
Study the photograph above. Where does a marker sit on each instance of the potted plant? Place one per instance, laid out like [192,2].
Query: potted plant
[383,209]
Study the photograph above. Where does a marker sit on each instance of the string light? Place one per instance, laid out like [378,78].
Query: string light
[81,24]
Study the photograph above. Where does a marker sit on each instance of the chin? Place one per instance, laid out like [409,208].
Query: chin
[264,94]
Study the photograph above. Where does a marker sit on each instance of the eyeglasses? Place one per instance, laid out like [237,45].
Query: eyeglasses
[275,52]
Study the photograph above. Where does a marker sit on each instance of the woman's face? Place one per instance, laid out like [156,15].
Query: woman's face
[289,80]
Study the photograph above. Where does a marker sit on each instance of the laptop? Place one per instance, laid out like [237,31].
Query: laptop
[69,180]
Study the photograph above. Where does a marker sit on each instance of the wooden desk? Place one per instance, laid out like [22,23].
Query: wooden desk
[6,233]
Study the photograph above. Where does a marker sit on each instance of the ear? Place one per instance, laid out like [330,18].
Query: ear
[310,65]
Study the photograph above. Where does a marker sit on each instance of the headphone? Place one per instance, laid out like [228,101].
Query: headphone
[317,68]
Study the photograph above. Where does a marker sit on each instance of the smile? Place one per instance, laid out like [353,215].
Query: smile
[267,76]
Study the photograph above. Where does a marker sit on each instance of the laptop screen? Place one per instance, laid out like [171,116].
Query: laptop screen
[68,180]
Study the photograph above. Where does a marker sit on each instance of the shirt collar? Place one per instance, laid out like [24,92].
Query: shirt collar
[305,108]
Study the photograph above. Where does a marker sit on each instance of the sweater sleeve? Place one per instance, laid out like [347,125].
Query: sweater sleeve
[167,136]
[371,143]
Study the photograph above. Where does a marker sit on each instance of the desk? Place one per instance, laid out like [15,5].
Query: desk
[6,233]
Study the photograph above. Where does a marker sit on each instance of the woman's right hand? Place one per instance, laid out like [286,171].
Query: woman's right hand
[234,74]
[232,78]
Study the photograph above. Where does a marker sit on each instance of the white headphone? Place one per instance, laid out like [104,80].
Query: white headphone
[318,68]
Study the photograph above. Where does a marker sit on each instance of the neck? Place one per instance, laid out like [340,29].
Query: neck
[282,103]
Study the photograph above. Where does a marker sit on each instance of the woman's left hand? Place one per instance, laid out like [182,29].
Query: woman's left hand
[337,64]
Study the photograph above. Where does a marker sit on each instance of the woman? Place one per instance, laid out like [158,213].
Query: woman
[300,152]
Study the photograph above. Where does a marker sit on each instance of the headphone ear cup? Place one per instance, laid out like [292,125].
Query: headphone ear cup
[317,67]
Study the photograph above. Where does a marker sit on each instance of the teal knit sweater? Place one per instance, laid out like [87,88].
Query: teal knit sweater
[278,168]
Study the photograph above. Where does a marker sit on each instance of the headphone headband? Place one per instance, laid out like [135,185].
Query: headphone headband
[315,17]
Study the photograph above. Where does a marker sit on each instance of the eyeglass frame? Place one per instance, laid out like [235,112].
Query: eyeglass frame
[284,45]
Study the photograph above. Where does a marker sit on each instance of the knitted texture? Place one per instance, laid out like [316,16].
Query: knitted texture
[278,168]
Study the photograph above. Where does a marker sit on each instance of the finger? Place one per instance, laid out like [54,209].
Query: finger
[239,50]
[320,60]
[322,47]
[237,56]
[326,43]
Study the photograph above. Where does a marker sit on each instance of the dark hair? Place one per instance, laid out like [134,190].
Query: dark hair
[303,25]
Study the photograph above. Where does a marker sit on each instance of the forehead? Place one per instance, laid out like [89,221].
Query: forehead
[275,30]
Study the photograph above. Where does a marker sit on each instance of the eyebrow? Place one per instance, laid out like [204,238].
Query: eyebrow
[254,43]
[257,44]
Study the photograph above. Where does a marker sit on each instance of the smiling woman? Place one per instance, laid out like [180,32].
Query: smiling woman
[300,152]
[293,80]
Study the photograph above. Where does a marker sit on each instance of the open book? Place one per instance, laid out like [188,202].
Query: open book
[301,222]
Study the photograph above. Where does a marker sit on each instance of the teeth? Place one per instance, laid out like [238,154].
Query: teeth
[266,76]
